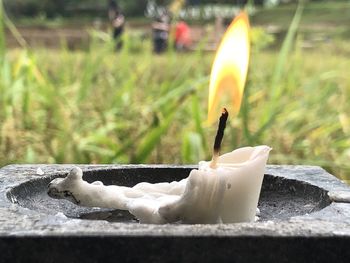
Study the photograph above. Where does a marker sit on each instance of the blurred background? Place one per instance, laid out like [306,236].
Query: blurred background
[127,81]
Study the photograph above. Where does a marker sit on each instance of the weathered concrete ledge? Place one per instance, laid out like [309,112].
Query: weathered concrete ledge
[31,235]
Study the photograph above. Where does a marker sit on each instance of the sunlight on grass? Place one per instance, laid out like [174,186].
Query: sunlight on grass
[98,106]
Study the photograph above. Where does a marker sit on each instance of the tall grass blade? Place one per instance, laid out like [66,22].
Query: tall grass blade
[198,120]
[12,28]
[192,148]
[276,86]
[151,140]
[246,117]
[2,32]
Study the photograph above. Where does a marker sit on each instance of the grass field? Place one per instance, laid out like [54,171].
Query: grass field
[98,106]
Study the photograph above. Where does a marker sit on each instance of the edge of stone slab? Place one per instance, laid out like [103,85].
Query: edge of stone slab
[19,221]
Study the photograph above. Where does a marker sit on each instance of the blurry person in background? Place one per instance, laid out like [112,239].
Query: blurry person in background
[160,32]
[182,36]
[117,20]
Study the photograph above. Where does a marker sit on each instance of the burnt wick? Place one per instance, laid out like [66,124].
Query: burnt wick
[218,138]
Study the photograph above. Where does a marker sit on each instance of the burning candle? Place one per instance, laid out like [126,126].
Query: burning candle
[224,190]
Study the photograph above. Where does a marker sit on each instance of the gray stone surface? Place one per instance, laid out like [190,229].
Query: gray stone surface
[319,236]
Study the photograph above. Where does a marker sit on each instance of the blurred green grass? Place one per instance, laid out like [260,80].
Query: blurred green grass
[315,13]
[99,106]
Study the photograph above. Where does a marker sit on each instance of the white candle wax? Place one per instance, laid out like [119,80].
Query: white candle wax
[229,193]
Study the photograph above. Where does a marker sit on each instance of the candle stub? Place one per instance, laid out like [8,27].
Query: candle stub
[228,197]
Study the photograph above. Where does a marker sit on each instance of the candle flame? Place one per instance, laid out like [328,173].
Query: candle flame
[230,67]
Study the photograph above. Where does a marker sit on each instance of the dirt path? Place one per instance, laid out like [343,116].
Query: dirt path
[78,37]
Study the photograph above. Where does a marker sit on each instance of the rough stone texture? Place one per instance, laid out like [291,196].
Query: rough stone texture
[280,198]
[28,235]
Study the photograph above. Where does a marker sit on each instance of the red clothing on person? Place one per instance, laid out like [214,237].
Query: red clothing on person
[182,35]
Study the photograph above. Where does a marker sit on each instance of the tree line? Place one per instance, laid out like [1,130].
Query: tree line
[67,8]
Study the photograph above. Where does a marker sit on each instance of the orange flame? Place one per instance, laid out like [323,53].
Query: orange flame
[229,71]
